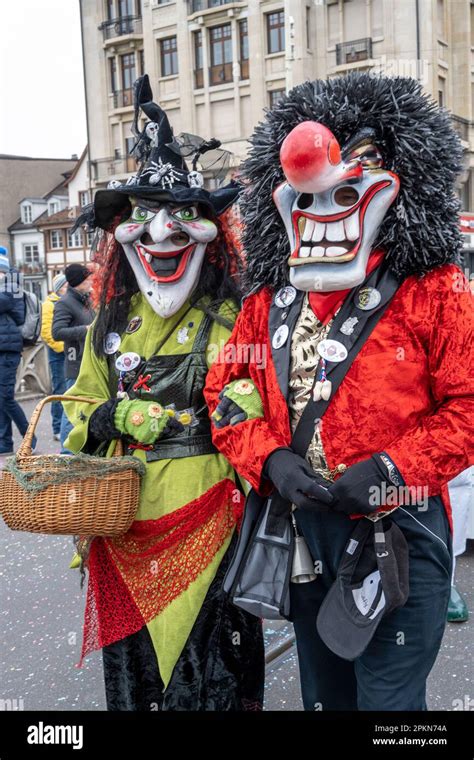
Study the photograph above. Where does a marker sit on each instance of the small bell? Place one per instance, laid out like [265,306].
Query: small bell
[302,570]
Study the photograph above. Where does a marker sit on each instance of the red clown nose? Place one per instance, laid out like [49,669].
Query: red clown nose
[311,159]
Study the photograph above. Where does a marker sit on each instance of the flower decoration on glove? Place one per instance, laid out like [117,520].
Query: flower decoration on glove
[145,421]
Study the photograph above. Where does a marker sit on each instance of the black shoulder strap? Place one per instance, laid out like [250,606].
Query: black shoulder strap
[386,284]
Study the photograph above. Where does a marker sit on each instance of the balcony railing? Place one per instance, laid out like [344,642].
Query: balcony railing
[356,50]
[123,98]
[120,26]
[203,5]
[461,126]
[220,74]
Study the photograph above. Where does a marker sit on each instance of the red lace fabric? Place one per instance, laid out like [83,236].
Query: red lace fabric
[134,577]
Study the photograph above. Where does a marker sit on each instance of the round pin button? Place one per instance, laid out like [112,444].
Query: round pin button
[281,336]
[285,296]
[368,298]
[112,342]
[332,350]
[127,362]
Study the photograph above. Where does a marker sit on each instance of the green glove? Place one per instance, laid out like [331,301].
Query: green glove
[240,401]
[144,421]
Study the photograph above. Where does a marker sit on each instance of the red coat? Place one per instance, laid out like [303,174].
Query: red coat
[409,391]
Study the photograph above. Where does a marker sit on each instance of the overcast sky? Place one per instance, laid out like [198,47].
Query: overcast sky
[42,110]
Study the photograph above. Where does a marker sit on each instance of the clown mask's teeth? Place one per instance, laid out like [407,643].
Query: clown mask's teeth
[351,226]
[312,231]
[335,231]
[147,257]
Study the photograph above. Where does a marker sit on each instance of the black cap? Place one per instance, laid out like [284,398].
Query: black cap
[372,580]
[76,273]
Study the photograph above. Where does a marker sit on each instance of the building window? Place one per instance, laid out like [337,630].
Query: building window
[53,208]
[90,238]
[31,254]
[74,240]
[126,8]
[441,91]
[113,75]
[198,60]
[169,56]
[26,214]
[83,198]
[274,96]
[276,32]
[131,164]
[141,61]
[128,74]
[110,10]
[221,54]
[244,49]
[56,239]
[129,70]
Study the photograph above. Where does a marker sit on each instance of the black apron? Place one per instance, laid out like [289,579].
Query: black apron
[174,379]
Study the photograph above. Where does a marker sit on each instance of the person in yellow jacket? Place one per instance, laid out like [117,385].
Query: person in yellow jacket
[55,350]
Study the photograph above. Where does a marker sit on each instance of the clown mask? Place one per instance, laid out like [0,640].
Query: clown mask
[332,204]
[165,245]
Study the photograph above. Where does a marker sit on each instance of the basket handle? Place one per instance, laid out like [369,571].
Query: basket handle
[25,449]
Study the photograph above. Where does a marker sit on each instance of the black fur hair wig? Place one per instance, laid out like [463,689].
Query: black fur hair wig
[420,230]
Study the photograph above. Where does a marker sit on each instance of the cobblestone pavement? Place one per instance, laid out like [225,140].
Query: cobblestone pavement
[41,609]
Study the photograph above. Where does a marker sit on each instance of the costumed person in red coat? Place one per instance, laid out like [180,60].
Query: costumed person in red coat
[356,306]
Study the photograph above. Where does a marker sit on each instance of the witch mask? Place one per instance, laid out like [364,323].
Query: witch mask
[332,204]
[165,244]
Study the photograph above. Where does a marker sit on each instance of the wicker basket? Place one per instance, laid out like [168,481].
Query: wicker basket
[99,504]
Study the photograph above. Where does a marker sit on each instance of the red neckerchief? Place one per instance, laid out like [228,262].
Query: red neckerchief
[325,305]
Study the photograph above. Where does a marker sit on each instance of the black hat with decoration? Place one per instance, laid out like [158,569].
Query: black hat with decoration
[163,175]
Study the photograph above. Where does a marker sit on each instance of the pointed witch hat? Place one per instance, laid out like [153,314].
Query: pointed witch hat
[163,175]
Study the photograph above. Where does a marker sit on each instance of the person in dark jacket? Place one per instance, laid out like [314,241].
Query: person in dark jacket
[12,316]
[72,316]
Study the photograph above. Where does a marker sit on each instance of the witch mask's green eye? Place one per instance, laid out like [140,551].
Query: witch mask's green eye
[142,214]
[186,214]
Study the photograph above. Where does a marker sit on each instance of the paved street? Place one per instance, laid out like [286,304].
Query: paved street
[41,607]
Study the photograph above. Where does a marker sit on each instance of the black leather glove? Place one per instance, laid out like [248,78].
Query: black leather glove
[295,480]
[360,489]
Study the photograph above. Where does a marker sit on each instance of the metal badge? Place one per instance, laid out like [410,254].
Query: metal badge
[281,336]
[332,350]
[368,298]
[127,362]
[285,296]
[112,342]
[347,327]
[134,325]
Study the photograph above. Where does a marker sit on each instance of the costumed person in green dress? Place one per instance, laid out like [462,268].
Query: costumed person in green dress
[170,639]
